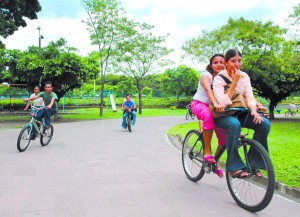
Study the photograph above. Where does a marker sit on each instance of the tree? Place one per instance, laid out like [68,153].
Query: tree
[12,15]
[140,55]
[180,80]
[55,63]
[108,27]
[264,48]
[153,81]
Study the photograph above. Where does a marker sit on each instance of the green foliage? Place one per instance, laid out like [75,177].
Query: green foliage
[180,80]
[139,54]
[270,59]
[12,15]
[108,28]
[54,62]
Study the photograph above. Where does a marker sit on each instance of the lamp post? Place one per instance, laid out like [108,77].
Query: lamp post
[40,37]
[40,45]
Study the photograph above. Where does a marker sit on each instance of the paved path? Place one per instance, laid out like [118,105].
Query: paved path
[95,168]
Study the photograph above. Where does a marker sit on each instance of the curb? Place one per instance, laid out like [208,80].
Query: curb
[287,191]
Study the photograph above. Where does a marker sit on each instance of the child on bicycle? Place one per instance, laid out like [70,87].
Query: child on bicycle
[37,102]
[49,98]
[128,106]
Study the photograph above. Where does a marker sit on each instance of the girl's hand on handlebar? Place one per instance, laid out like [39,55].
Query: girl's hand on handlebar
[261,108]
[256,117]
[218,107]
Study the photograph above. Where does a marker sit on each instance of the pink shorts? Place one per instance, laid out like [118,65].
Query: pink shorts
[202,112]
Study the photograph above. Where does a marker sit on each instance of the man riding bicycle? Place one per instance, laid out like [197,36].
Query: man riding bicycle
[128,106]
[292,106]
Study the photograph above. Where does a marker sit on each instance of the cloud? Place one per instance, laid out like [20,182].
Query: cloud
[183,20]
[73,30]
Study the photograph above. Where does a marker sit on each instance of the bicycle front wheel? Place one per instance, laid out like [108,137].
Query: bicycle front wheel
[192,155]
[293,113]
[192,116]
[24,138]
[253,193]
[187,116]
[47,135]
[129,123]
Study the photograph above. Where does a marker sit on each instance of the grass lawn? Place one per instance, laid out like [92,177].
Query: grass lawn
[284,147]
[93,114]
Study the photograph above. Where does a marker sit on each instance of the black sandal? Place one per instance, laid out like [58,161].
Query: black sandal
[240,175]
[256,172]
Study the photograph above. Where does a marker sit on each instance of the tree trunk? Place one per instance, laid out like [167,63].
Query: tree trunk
[102,88]
[140,99]
[271,109]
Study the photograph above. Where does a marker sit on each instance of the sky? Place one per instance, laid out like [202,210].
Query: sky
[182,19]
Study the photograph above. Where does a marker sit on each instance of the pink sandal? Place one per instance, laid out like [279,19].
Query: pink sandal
[210,159]
[219,173]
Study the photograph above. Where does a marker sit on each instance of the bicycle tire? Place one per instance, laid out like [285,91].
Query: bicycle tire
[192,155]
[187,116]
[129,122]
[193,116]
[24,138]
[287,114]
[253,193]
[293,113]
[46,136]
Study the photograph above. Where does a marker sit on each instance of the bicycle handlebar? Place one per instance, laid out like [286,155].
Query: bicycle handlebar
[37,107]
[238,109]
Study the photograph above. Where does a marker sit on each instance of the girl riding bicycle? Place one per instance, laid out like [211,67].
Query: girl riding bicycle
[241,83]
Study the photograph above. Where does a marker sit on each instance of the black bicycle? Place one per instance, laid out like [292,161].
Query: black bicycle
[189,113]
[252,193]
[129,121]
[27,133]
[290,112]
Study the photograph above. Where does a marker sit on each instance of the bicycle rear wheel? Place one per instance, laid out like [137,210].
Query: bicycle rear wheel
[24,138]
[253,193]
[47,135]
[192,155]
[129,122]
[192,116]
[287,114]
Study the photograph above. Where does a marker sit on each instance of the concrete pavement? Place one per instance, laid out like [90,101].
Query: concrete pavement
[96,168]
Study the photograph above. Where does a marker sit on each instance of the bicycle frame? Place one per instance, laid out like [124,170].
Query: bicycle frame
[33,123]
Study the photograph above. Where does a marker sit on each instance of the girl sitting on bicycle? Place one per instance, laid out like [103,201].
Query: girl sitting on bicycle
[200,107]
[232,124]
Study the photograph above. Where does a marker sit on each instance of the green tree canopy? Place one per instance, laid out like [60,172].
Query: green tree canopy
[140,55]
[108,27]
[267,53]
[180,80]
[54,62]
[12,13]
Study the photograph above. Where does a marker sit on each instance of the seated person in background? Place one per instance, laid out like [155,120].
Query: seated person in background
[128,106]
